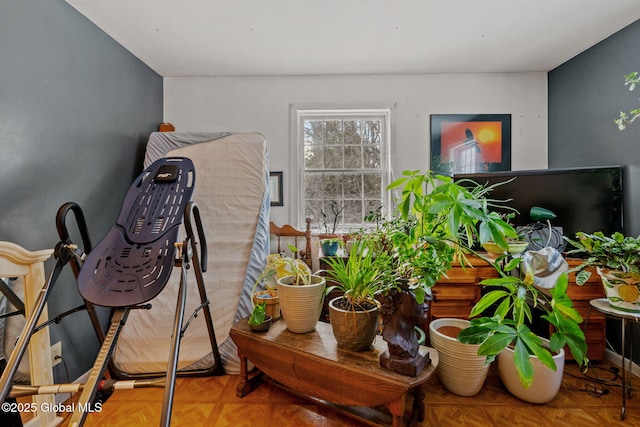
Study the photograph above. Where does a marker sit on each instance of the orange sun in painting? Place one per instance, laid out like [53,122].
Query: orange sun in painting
[487,134]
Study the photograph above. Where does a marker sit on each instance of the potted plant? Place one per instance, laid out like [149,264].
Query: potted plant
[268,292]
[330,246]
[515,245]
[354,316]
[259,321]
[460,369]
[616,259]
[330,241]
[439,221]
[505,333]
[301,296]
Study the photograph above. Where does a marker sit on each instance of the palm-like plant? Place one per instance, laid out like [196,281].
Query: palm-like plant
[512,298]
[441,219]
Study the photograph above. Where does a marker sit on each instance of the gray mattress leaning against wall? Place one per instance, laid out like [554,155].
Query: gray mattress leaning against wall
[232,195]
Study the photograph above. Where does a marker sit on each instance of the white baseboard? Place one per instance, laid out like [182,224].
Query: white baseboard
[616,360]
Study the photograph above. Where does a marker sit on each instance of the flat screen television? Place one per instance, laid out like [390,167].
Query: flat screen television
[583,199]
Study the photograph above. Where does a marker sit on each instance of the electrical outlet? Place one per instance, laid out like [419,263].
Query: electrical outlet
[56,353]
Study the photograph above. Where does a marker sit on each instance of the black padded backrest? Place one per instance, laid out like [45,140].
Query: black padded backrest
[134,260]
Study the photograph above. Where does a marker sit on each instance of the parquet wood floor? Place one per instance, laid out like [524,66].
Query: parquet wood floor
[212,401]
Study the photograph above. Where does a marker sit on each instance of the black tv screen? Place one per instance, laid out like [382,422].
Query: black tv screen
[583,199]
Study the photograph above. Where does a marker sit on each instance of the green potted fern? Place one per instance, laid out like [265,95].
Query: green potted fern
[354,316]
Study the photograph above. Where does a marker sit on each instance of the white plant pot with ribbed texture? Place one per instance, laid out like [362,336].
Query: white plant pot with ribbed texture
[460,369]
[300,306]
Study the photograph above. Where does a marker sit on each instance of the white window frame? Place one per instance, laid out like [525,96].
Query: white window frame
[298,116]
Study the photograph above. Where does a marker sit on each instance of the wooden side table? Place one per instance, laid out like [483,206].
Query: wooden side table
[603,306]
[312,366]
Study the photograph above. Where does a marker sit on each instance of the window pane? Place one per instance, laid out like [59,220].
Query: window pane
[372,157]
[371,132]
[333,157]
[351,132]
[352,157]
[353,211]
[313,186]
[371,206]
[372,185]
[313,131]
[332,186]
[333,132]
[313,156]
[352,185]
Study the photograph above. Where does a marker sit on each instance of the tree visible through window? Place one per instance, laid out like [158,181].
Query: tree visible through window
[345,165]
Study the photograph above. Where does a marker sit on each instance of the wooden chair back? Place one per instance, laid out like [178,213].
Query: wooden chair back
[288,232]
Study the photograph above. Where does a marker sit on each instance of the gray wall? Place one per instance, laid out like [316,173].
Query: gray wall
[585,95]
[76,109]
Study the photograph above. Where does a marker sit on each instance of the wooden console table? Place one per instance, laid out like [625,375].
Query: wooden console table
[311,365]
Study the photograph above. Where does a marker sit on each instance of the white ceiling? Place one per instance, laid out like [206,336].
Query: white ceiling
[324,37]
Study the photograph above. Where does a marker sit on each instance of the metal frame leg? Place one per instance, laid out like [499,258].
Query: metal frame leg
[167,403]
[90,388]
[624,377]
[627,388]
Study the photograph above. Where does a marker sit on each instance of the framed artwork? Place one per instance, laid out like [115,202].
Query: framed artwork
[470,143]
[275,188]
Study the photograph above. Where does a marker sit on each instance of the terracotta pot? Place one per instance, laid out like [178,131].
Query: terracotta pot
[622,289]
[353,330]
[301,306]
[546,382]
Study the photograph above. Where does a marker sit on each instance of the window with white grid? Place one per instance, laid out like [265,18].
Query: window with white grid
[343,159]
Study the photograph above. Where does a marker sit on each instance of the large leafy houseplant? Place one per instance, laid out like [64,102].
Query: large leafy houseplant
[510,300]
[440,220]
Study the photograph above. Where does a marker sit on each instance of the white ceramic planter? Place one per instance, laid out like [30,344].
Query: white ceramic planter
[300,306]
[460,369]
[546,382]
[622,289]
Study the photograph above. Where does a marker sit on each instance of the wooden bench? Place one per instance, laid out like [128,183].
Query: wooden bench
[312,366]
